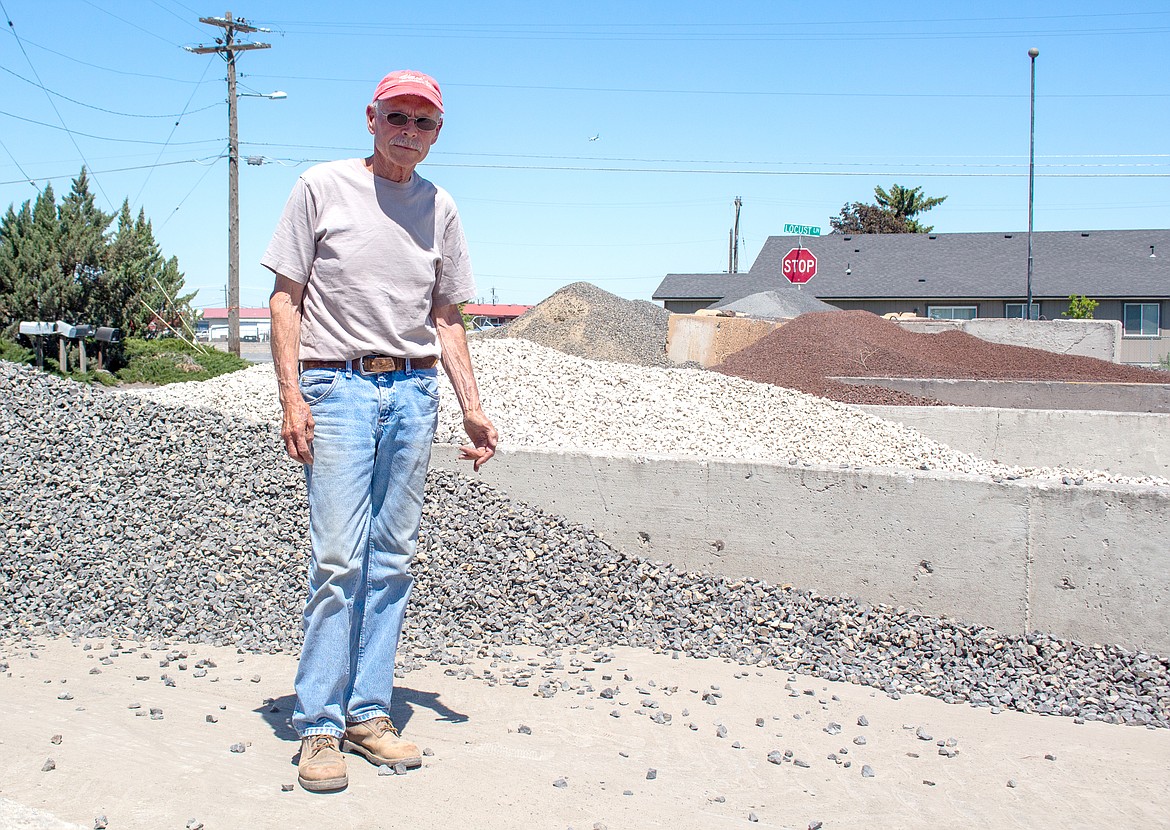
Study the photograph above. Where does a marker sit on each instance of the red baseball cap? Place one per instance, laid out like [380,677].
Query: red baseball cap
[409,82]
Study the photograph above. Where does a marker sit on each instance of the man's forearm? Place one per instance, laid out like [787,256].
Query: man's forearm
[286,343]
[456,361]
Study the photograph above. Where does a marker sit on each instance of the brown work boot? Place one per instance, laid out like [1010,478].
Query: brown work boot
[322,766]
[380,743]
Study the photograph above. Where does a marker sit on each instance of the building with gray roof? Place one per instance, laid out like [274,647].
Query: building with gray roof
[967,275]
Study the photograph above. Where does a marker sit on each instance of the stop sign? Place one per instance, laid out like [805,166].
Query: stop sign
[800,265]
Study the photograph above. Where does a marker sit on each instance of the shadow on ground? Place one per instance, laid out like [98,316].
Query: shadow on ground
[278,712]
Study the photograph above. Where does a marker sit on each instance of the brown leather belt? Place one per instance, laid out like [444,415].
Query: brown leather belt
[372,364]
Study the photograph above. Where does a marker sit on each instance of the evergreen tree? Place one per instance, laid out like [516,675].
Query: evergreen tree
[14,231]
[38,288]
[860,217]
[60,263]
[82,234]
[137,282]
[906,203]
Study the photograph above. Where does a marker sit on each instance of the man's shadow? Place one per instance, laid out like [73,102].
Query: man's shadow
[278,713]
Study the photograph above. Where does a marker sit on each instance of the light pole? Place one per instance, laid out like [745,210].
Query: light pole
[1032,53]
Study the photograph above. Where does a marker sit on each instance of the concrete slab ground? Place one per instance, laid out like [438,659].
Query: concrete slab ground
[138,772]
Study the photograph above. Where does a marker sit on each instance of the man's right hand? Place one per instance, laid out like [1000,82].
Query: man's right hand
[296,428]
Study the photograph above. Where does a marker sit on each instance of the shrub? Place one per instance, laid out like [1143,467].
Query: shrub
[1080,308]
[171,360]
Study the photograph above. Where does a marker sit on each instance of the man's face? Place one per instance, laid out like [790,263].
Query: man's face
[407,145]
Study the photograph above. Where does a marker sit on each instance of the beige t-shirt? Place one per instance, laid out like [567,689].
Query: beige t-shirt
[375,257]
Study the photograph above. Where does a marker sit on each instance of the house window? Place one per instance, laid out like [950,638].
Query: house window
[952,312]
[1015,311]
[1141,319]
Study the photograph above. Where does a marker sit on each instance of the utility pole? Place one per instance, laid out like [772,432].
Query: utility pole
[733,241]
[226,47]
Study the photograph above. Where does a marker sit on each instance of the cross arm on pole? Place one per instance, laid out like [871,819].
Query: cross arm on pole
[235,47]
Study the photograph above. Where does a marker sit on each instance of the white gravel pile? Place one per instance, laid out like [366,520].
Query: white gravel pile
[541,398]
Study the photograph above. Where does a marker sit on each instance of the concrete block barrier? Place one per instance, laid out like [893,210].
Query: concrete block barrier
[1088,563]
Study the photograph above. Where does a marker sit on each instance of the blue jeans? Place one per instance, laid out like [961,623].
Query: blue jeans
[371,447]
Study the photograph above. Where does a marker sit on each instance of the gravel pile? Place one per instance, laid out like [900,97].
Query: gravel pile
[126,518]
[586,321]
[805,353]
[773,305]
[541,398]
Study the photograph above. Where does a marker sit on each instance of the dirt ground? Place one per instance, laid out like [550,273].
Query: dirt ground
[116,761]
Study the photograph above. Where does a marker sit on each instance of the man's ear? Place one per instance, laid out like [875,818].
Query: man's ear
[371,117]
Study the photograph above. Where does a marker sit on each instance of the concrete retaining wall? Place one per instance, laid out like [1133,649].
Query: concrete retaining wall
[1127,443]
[707,340]
[1089,563]
[1090,338]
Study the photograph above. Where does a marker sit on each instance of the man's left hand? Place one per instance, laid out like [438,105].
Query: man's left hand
[483,439]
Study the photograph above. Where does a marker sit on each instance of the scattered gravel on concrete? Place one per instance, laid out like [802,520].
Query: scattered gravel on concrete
[541,398]
[129,519]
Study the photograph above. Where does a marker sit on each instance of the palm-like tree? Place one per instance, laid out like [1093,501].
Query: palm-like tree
[905,203]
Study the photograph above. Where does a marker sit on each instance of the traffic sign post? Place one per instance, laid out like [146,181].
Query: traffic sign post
[800,266]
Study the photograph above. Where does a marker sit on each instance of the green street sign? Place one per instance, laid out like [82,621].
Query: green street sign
[802,230]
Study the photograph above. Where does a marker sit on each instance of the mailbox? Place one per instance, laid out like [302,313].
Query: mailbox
[66,330]
[38,329]
[107,334]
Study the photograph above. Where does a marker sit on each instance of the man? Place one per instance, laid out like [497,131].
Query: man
[370,263]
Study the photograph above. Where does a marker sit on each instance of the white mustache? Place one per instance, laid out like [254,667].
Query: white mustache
[406,141]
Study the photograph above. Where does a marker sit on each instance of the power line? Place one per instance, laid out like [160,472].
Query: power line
[130,23]
[12,28]
[871,164]
[979,171]
[103,109]
[702,33]
[706,26]
[112,170]
[178,16]
[776,93]
[182,201]
[171,134]
[27,179]
[105,68]
[102,137]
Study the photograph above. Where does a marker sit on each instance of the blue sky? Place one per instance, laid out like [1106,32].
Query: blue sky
[795,108]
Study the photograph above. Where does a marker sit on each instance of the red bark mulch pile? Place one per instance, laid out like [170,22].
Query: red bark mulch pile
[806,352]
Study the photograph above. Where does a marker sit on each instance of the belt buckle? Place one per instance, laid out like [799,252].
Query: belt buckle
[362,365]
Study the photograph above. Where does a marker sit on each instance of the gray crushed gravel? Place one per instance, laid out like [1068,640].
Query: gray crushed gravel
[775,305]
[132,519]
[586,321]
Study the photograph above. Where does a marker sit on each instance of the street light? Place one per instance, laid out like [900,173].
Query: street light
[275,96]
[1032,53]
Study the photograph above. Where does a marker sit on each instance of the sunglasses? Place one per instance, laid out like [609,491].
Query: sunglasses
[401,119]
